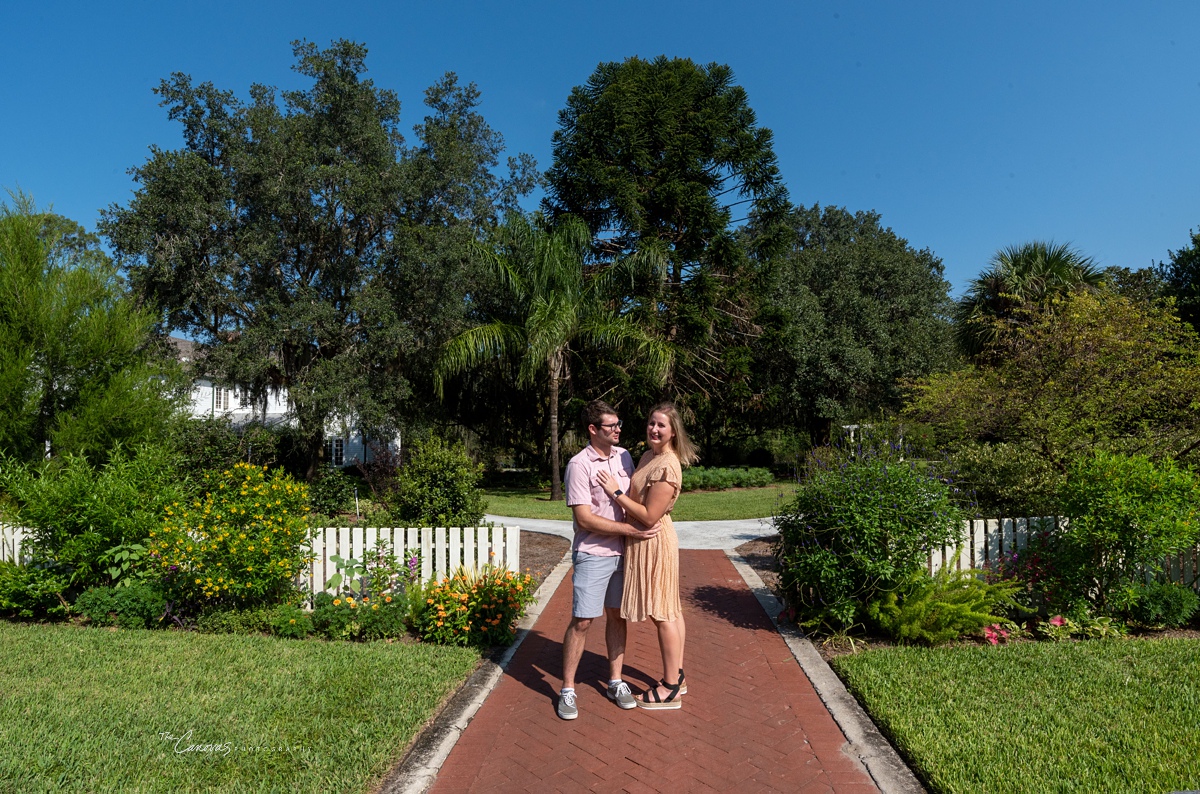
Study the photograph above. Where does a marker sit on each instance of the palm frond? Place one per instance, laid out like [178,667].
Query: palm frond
[476,346]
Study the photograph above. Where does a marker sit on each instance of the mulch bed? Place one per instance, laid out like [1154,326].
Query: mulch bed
[541,552]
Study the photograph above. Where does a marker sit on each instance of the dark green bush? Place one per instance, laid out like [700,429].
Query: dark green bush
[857,531]
[213,444]
[1127,513]
[291,621]
[236,621]
[934,610]
[141,605]
[1164,604]
[31,592]
[78,512]
[439,486]
[1008,480]
[699,478]
[331,492]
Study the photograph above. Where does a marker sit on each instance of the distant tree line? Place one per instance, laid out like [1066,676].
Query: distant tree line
[307,244]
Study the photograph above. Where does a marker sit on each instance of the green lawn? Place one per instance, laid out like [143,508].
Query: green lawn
[92,709]
[1031,717]
[691,506]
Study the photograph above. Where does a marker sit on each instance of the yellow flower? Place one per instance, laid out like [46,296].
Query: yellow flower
[337,601]
[374,606]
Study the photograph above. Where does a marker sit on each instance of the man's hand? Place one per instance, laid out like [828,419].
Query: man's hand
[638,533]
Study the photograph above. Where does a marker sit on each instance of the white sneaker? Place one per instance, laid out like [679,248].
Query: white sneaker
[566,706]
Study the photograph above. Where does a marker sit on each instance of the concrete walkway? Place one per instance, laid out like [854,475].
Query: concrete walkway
[751,721]
[692,534]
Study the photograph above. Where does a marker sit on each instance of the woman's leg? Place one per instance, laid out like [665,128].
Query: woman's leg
[670,642]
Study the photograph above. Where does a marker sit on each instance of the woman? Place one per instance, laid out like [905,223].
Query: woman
[652,565]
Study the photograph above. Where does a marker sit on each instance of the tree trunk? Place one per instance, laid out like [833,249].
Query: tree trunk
[554,363]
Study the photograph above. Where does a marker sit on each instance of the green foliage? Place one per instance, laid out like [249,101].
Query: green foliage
[83,515]
[699,478]
[1007,479]
[139,606]
[663,159]
[1019,276]
[858,530]
[77,374]
[1181,277]
[1080,623]
[32,592]
[439,486]
[1127,513]
[851,310]
[1092,370]
[257,620]
[476,608]
[934,610]
[243,544]
[1166,604]
[344,617]
[331,491]
[291,622]
[344,269]
[211,443]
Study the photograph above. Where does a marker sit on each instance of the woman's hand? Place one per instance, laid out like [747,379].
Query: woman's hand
[607,482]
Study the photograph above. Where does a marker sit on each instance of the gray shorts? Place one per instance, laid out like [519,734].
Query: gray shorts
[599,582]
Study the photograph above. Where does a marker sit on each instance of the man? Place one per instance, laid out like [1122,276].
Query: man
[598,576]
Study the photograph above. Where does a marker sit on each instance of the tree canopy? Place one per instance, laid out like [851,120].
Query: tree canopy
[1090,370]
[666,156]
[78,373]
[305,244]
[850,310]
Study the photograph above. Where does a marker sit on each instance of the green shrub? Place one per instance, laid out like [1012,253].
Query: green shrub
[439,486]
[859,530]
[699,478]
[937,609]
[212,443]
[31,592]
[1164,604]
[291,621]
[79,514]
[331,492]
[1127,513]
[236,621]
[242,545]
[1008,480]
[475,607]
[139,606]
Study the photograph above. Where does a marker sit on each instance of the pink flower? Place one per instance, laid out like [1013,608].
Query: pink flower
[1057,620]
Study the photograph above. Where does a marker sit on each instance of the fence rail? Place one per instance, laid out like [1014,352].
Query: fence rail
[986,540]
[442,549]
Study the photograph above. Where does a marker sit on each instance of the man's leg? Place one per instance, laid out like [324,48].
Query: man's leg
[615,632]
[573,641]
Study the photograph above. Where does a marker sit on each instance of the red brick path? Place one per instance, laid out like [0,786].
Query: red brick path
[751,720]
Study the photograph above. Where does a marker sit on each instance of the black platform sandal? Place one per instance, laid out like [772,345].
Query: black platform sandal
[669,702]
[682,686]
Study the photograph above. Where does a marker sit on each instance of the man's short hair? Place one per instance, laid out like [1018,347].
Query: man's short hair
[594,413]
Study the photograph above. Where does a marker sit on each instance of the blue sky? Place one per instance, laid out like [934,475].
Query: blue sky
[967,127]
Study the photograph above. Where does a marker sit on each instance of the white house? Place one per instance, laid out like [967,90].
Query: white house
[345,444]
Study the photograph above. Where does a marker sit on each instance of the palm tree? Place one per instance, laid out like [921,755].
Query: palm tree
[1030,274]
[541,268]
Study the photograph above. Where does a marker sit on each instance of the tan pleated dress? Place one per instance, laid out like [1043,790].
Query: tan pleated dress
[652,565]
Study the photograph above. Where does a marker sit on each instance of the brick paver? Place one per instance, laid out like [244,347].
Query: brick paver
[750,721]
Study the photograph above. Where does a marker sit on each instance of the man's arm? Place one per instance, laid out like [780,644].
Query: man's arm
[586,519]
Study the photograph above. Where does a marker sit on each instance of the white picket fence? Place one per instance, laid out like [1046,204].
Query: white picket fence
[11,538]
[986,540]
[442,549]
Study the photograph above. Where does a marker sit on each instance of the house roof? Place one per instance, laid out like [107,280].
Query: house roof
[185,349]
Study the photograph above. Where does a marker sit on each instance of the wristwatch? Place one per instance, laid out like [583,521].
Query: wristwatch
[619,492]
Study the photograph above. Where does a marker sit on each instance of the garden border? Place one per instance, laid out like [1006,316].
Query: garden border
[419,768]
[864,740]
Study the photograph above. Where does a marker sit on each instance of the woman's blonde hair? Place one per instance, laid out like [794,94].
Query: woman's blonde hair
[681,445]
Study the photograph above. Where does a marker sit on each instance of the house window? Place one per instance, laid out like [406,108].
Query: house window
[335,449]
[221,399]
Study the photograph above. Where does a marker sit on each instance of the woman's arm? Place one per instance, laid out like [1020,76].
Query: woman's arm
[654,503]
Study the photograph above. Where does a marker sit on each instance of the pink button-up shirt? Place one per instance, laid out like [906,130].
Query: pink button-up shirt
[584,489]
